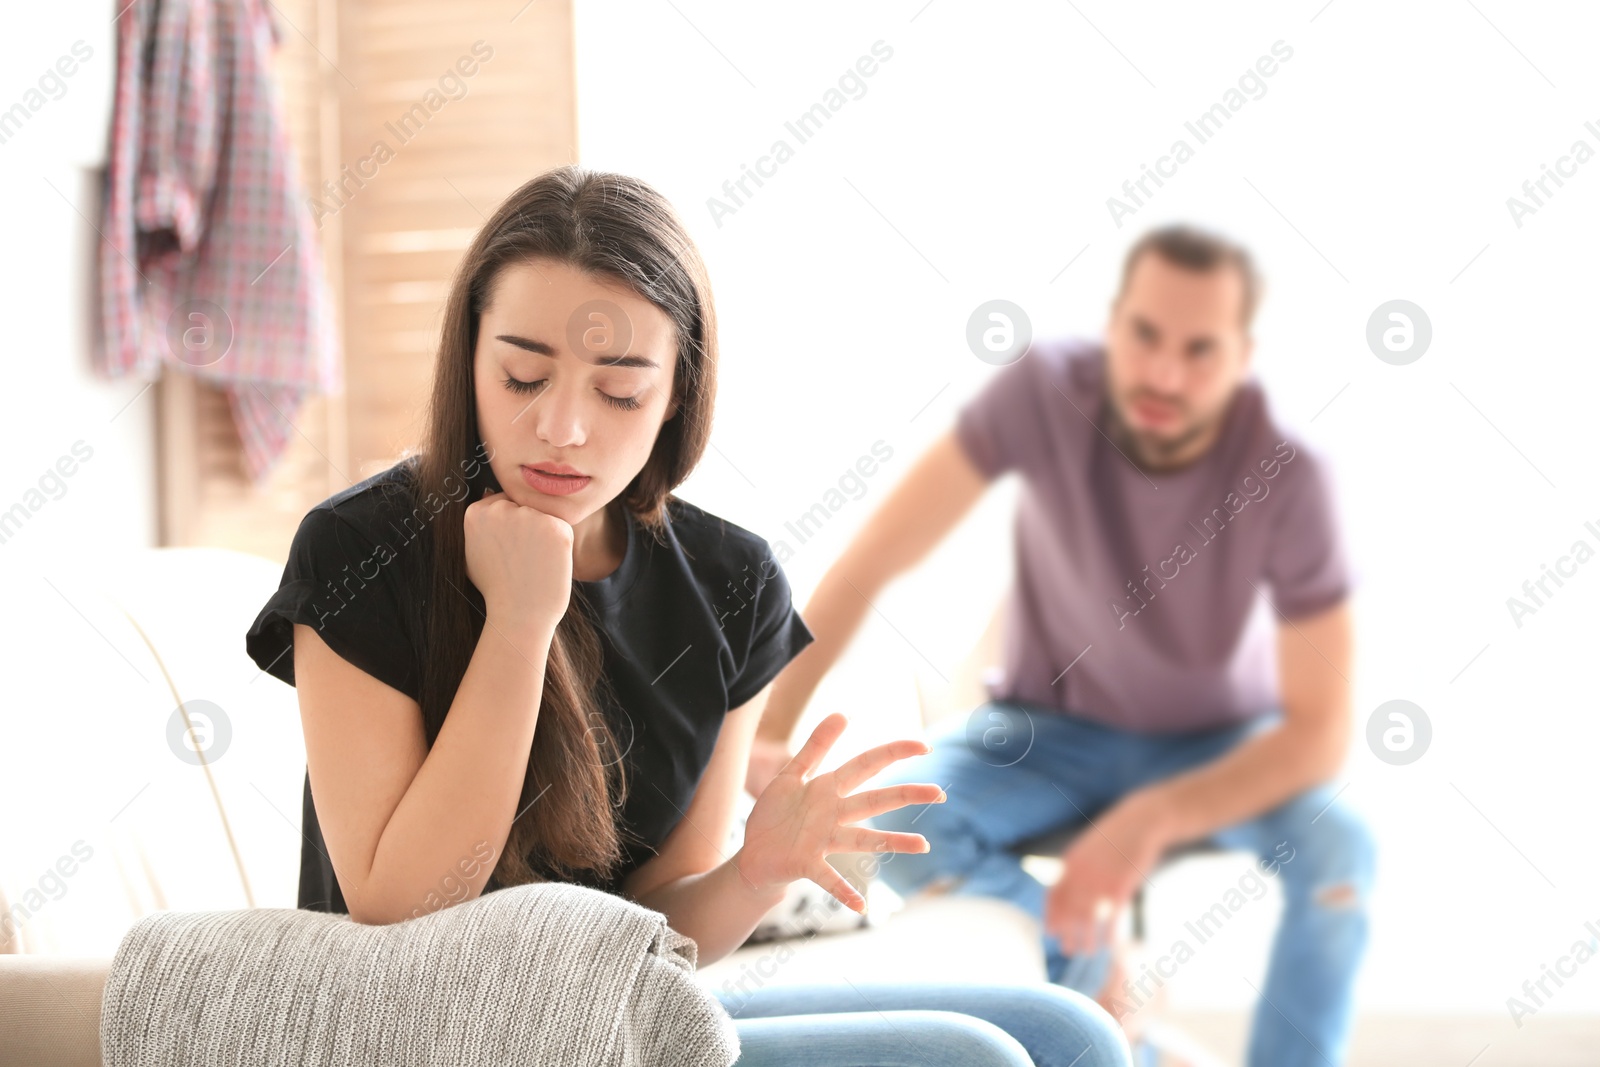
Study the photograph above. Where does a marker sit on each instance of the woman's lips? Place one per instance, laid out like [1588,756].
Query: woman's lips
[554,484]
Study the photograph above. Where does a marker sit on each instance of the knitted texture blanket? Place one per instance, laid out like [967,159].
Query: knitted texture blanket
[547,973]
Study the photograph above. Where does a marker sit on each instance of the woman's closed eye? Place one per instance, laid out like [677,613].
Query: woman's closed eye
[625,403]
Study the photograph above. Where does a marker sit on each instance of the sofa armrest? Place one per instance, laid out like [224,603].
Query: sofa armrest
[50,1009]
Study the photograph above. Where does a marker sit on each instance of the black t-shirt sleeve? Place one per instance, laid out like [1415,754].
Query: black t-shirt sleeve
[349,586]
[777,634]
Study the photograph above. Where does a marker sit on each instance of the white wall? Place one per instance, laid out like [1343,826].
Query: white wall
[77,466]
[50,211]
[1377,165]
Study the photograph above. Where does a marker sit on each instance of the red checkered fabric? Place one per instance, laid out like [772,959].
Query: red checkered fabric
[209,260]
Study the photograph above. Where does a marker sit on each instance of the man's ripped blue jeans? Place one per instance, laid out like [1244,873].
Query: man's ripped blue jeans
[1063,769]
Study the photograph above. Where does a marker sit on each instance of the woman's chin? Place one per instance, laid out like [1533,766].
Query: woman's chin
[532,498]
[566,509]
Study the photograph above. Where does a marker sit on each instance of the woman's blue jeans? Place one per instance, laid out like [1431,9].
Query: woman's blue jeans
[1013,771]
[859,1024]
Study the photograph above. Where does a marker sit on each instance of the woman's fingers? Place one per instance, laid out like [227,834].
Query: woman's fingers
[877,801]
[488,497]
[842,891]
[863,839]
[817,745]
[858,769]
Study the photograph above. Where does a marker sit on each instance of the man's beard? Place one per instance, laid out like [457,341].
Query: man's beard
[1148,449]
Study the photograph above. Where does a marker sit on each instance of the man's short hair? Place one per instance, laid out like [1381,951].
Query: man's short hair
[1197,250]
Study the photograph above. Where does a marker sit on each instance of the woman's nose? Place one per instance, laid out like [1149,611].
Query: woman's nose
[557,419]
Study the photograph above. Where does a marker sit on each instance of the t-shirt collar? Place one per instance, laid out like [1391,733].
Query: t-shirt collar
[613,585]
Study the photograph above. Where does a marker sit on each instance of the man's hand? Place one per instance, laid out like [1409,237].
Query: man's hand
[767,758]
[1104,865]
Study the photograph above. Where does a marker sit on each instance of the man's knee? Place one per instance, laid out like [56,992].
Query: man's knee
[1333,860]
[1338,895]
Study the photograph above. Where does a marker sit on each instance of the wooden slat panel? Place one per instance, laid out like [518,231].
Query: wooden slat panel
[406,227]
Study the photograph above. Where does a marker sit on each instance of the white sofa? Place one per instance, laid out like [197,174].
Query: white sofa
[107,822]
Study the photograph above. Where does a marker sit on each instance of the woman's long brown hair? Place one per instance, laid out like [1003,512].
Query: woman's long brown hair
[617,229]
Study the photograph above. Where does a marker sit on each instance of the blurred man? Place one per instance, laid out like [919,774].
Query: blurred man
[1160,504]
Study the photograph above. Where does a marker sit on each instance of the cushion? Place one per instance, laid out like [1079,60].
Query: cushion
[531,974]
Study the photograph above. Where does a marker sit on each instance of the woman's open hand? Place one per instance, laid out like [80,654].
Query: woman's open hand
[767,758]
[797,821]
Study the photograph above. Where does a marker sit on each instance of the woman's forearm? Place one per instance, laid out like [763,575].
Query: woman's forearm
[718,909]
[444,837]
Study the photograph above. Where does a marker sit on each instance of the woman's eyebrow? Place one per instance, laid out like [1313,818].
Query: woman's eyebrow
[545,350]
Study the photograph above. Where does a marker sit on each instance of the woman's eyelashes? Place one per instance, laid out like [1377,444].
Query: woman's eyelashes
[624,403]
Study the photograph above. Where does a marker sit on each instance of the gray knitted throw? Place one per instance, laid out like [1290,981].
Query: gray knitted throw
[546,973]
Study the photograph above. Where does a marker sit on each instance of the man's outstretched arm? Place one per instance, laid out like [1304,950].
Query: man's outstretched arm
[1305,749]
[925,505]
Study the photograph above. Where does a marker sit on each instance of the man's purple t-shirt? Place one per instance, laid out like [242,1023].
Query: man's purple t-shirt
[1143,582]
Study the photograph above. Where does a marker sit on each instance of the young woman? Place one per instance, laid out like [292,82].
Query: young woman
[519,656]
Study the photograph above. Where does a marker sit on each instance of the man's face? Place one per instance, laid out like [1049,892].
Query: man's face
[1175,352]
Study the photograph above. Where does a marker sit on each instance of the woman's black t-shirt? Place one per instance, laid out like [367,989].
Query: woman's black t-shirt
[691,629]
